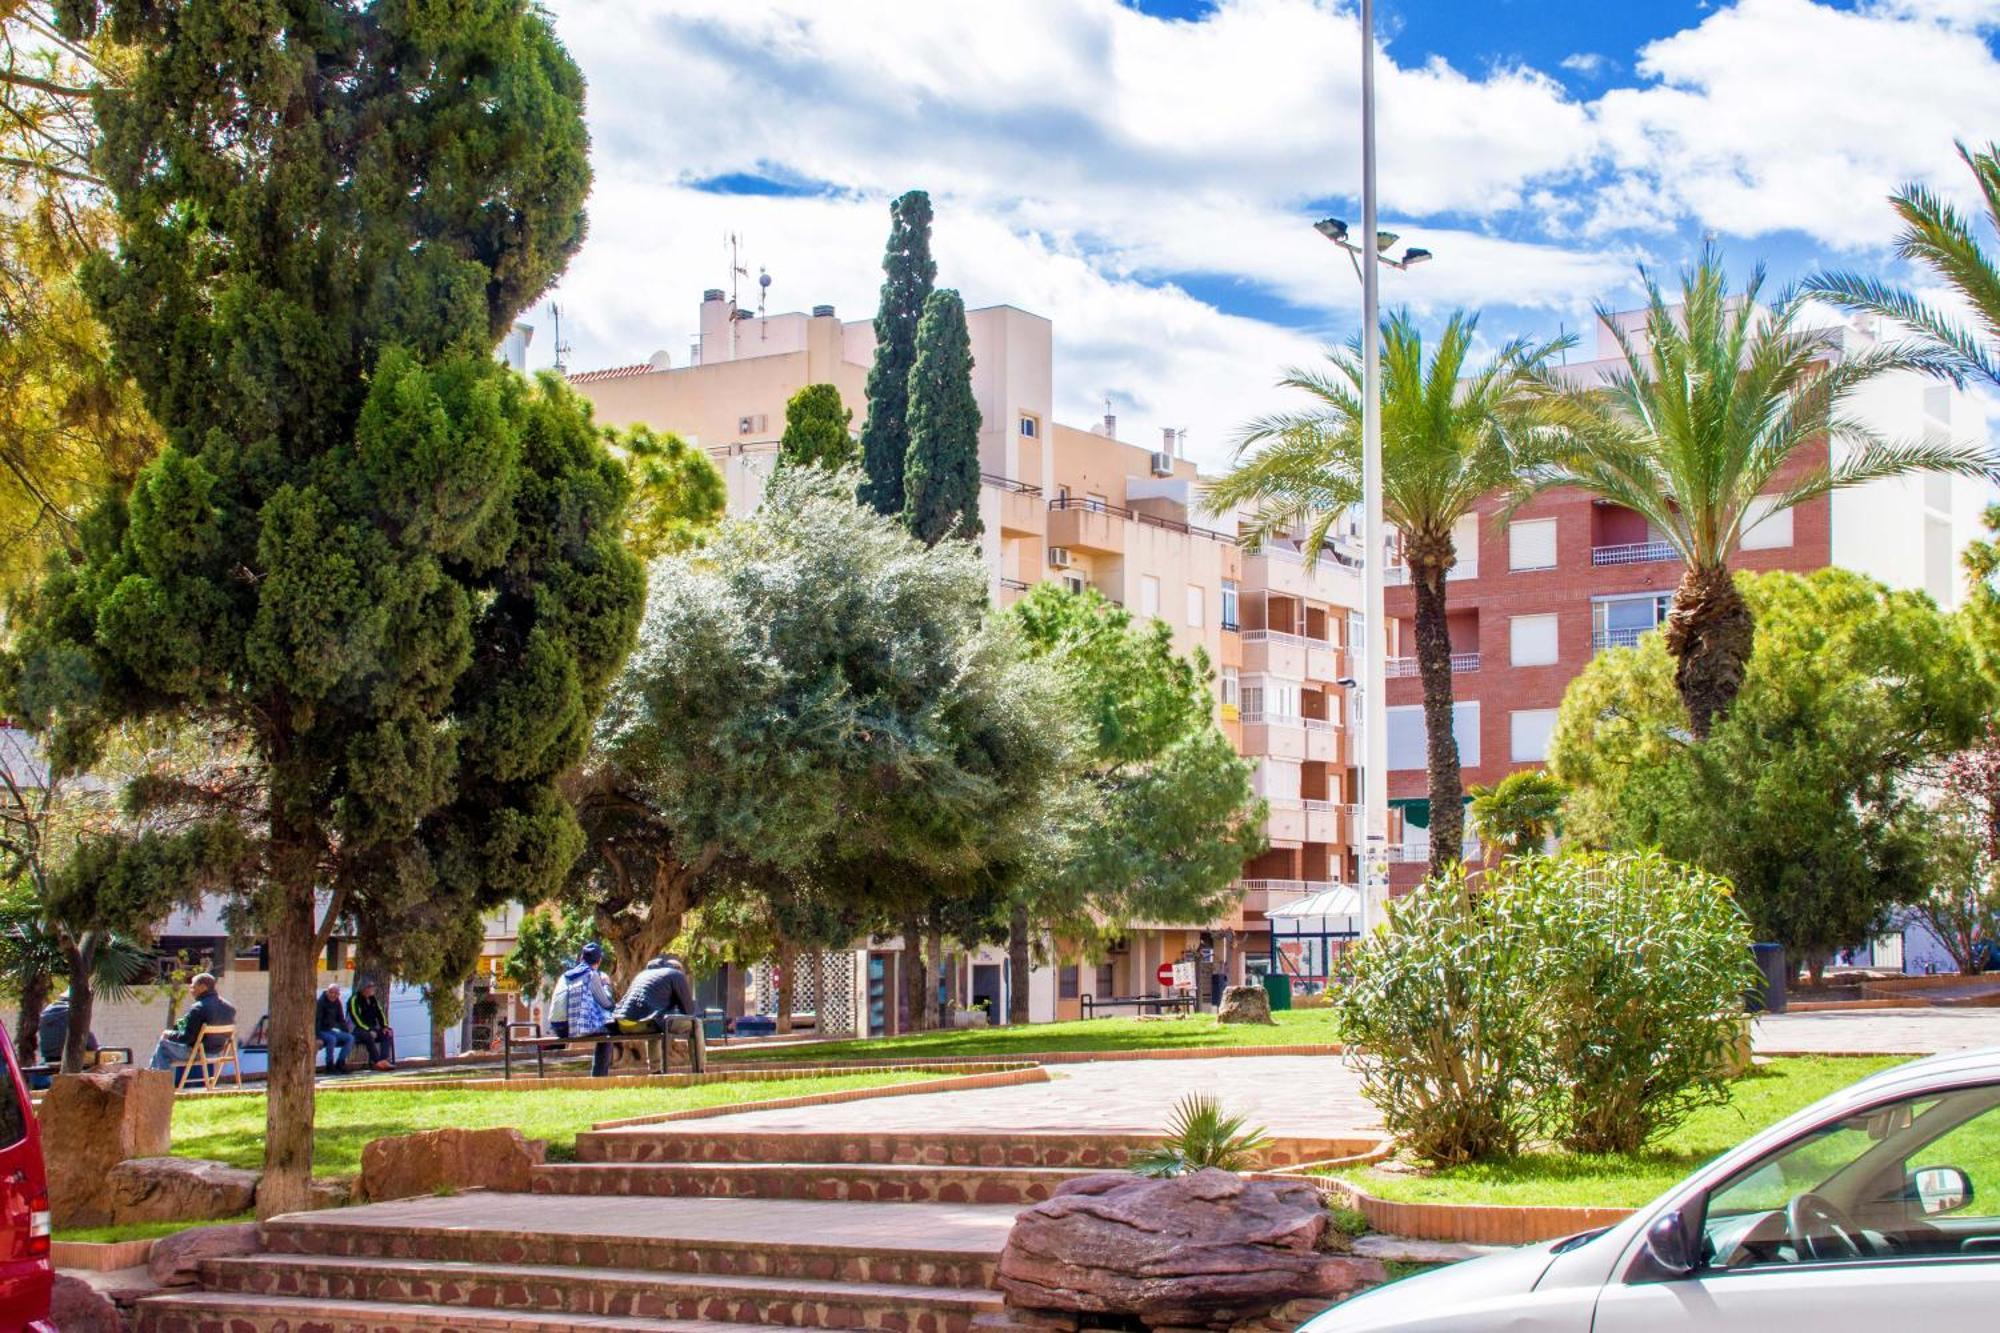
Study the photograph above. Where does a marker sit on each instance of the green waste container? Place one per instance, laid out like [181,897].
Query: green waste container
[1278,987]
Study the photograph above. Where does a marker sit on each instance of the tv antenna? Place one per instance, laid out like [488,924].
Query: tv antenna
[763,288]
[736,269]
[562,348]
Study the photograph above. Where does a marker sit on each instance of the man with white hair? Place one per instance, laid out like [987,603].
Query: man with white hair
[207,1008]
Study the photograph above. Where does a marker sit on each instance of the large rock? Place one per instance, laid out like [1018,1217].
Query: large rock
[77,1307]
[179,1189]
[438,1160]
[93,1121]
[176,1260]
[1244,1004]
[1208,1249]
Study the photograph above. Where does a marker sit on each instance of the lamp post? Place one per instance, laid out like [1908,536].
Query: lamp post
[1367,258]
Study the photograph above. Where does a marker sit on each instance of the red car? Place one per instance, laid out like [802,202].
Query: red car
[26,1275]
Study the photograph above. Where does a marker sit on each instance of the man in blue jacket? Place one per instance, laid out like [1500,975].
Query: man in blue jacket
[581,1005]
[660,1000]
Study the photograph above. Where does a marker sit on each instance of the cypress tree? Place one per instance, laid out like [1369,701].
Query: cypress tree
[941,475]
[816,430]
[909,271]
[386,562]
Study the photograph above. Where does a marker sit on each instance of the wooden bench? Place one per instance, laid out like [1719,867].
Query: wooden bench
[210,1063]
[534,1039]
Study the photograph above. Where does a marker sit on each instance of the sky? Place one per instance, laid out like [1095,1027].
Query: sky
[1146,173]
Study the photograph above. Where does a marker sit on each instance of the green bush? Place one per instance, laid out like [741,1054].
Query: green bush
[1435,1024]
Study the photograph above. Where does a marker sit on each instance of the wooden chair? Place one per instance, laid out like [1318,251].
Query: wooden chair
[211,1065]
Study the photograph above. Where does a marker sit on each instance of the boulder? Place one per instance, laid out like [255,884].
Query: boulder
[77,1307]
[179,1189]
[93,1121]
[1244,1004]
[1209,1249]
[439,1160]
[332,1192]
[176,1259]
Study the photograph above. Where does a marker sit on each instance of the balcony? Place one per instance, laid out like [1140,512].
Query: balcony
[1619,638]
[1277,735]
[1322,740]
[1261,895]
[1286,825]
[1272,653]
[1325,662]
[1407,666]
[1011,591]
[1086,525]
[1324,822]
[1021,511]
[1633,553]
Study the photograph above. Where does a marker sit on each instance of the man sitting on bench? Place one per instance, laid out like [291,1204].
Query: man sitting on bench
[658,997]
[579,1006]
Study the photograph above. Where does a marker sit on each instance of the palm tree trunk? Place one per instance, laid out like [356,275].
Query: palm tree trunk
[28,1026]
[1447,792]
[1710,634]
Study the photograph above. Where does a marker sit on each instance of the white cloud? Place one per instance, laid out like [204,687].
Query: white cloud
[1590,64]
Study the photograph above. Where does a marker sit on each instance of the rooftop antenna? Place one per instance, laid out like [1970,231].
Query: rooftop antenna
[562,348]
[736,269]
[763,289]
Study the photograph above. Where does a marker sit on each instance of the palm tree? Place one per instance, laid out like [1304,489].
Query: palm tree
[1449,437]
[1519,813]
[1941,238]
[1722,403]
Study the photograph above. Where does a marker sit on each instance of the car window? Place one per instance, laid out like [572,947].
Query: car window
[13,1116]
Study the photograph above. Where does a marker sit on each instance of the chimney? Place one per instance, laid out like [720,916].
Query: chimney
[1110,426]
[1166,439]
[712,294]
[822,312]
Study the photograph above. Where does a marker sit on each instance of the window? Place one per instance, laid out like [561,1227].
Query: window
[1076,583]
[1277,779]
[1529,730]
[1232,689]
[1268,698]
[1532,640]
[1618,622]
[1407,748]
[1067,981]
[1030,427]
[1196,596]
[1764,530]
[1465,539]
[1107,979]
[1531,544]
[1229,604]
[1149,595]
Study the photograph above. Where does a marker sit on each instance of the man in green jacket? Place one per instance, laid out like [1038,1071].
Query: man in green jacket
[371,1026]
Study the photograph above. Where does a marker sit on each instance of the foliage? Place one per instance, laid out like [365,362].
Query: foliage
[1451,436]
[1638,968]
[908,272]
[1723,404]
[546,944]
[941,471]
[677,493]
[387,562]
[1981,612]
[816,430]
[1200,1137]
[1800,797]
[1519,813]
[1959,896]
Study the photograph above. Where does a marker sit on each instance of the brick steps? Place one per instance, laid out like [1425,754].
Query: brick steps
[613,1293]
[859,1183]
[222,1312]
[674,1143]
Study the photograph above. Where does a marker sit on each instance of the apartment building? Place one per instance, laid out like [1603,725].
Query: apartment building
[1533,599]
[1082,507]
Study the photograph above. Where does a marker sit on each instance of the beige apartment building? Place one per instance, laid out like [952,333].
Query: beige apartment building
[1085,508]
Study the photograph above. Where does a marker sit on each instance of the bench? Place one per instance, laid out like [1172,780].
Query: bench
[210,1062]
[38,1075]
[1157,1004]
[528,1036]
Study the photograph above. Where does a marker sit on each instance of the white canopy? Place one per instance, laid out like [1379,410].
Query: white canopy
[1342,900]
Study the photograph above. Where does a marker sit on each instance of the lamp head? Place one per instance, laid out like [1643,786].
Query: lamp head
[1383,240]
[1332,228]
[1414,256]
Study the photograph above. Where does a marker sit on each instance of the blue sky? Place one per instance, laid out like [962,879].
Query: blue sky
[1145,173]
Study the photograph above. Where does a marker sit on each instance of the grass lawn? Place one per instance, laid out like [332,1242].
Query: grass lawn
[1768,1095]
[1295,1027]
[142,1230]
[231,1129]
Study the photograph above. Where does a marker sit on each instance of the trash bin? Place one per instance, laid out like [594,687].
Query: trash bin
[1768,995]
[1278,988]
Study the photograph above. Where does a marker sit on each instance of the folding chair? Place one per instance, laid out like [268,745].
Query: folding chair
[211,1065]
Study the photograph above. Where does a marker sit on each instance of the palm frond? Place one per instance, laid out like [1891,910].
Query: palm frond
[1202,1137]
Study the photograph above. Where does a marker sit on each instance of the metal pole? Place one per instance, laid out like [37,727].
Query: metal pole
[1375,760]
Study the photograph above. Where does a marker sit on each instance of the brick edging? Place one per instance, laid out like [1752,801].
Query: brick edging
[1005,1078]
[1475,1223]
[1050,1057]
[101,1256]
[778,1074]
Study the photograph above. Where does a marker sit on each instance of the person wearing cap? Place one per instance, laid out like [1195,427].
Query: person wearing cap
[53,1031]
[330,1022]
[370,1026]
[582,1003]
[207,1009]
[660,1000]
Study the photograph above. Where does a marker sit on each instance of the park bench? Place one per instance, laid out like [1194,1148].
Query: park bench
[1156,1004]
[210,1062]
[528,1036]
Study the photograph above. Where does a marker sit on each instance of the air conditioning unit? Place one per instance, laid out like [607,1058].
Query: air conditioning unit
[749,425]
[1163,465]
[1059,557]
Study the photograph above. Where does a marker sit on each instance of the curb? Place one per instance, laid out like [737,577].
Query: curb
[94,1256]
[1005,1078]
[1053,1057]
[1475,1223]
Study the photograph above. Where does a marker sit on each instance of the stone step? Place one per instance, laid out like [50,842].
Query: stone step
[859,1183]
[614,1293]
[224,1312]
[686,1143]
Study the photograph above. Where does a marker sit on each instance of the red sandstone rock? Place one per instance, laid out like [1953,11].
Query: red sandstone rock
[179,1189]
[448,1159]
[93,1121]
[77,1307]
[1207,1249]
[176,1259]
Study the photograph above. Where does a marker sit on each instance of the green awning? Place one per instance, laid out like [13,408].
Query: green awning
[1417,810]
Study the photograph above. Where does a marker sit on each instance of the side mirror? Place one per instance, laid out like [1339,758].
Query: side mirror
[1668,1253]
[1939,1189]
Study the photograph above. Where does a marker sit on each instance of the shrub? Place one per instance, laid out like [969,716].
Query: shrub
[1200,1136]
[1637,970]
[1435,1023]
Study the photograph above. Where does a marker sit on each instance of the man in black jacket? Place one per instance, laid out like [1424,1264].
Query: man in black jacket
[54,1031]
[330,1022]
[371,1026]
[208,1009]
[660,1000]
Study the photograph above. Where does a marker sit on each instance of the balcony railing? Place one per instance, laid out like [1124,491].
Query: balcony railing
[1634,553]
[1618,638]
[1143,520]
[1014,585]
[1407,666]
[1321,724]
[1321,807]
[1263,719]
[1008,484]
[1396,575]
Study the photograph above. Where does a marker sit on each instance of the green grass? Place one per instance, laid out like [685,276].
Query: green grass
[142,1230]
[1295,1027]
[1766,1096]
[231,1129]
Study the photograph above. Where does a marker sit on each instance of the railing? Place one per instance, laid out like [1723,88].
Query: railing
[1396,575]
[1263,719]
[1407,666]
[1340,559]
[1284,803]
[1320,807]
[1090,506]
[1014,585]
[1230,626]
[1321,724]
[1008,484]
[1634,553]
[1618,638]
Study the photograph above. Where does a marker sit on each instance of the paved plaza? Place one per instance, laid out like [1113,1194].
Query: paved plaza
[1884,1031]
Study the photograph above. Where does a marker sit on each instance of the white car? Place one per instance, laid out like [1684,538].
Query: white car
[1878,1203]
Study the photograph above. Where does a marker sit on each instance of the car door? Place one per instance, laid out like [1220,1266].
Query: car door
[1854,1227]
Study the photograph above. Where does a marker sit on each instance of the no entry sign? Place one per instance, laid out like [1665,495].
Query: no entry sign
[1165,975]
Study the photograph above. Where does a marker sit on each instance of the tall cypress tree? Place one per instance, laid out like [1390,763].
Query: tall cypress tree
[386,562]
[909,272]
[941,474]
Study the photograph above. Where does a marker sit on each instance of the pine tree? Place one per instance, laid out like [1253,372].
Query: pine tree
[885,437]
[941,474]
[387,562]
[816,429]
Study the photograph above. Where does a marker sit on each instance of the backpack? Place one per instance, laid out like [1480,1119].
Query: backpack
[577,997]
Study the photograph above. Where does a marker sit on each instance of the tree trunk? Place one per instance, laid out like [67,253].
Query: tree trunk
[28,1027]
[1020,960]
[288,1122]
[913,972]
[1710,634]
[1428,566]
[81,958]
[787,959]
[933,978]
